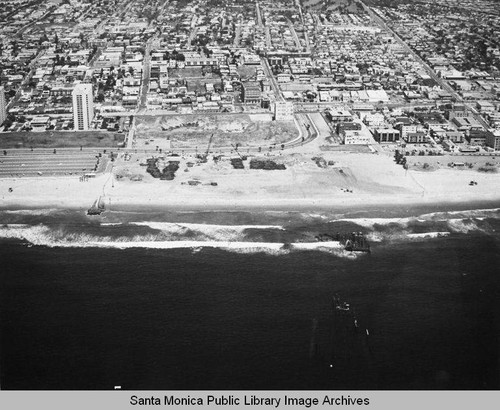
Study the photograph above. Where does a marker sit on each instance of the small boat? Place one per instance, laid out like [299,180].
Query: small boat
[341,306]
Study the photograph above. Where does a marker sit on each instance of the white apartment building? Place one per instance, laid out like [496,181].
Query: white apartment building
[83,106]
[3,105]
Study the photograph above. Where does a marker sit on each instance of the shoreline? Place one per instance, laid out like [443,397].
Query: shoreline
[382,207]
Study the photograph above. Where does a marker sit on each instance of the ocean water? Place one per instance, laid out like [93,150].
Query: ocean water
[167,301]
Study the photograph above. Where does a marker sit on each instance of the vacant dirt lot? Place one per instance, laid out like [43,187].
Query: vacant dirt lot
[188,131]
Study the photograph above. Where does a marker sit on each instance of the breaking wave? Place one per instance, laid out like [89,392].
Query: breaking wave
[427,226]
[30,212]
[206,232]
[471,213]
[43,235]
[427,235]
[275,248]
[286,235]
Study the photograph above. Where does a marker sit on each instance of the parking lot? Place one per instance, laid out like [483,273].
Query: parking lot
[23,163]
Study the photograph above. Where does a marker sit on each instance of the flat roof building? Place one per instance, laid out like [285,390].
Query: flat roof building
[493,141]
[283,111]
[83,106]
[3,106]
[386,135]
[251,93]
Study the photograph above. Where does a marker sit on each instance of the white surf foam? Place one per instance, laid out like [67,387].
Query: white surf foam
[458,221]
[37,235]
[205,232]
[272,248]
[306,246]
[468,213]
[203,227]
[464,225]
[46,236]
[239,245]
[32,212]
[371,222]
[186,244]
[427,235]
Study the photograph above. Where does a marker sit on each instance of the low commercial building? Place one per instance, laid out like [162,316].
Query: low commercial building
[454,136]
[339,115]
[348,126]
[374,120]
[478,137]
[351,137]
[416,137]
[40,124]
[466,123]
[251,93]
[384,135]
[493,141]
[485,106]
[283,111]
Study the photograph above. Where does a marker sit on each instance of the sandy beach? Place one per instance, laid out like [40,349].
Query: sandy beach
[343,180]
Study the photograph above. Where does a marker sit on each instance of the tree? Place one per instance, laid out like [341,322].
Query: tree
[7,124]
[15,48]
[397,156]
[110,82]
[43,38]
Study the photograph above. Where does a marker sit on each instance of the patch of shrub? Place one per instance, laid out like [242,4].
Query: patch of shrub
[489,169]
[169,171]
[237,163]
[266,164]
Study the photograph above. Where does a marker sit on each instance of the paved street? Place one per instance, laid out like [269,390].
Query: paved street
[270,76]
[146,74]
